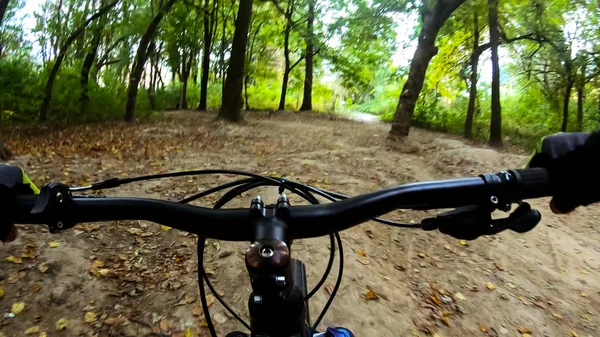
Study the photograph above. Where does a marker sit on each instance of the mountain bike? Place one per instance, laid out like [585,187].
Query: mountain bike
[278,304]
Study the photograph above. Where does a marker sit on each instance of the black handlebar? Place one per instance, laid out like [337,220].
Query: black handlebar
[493,190]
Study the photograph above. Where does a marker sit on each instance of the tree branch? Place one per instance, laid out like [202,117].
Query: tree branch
[297,62]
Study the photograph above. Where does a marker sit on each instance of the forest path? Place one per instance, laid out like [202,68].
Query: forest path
[134,278]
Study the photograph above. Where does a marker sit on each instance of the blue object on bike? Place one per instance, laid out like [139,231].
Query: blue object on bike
[339,332]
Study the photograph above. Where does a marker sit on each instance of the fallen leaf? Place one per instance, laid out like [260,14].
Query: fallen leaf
[499,266]
[62,324]
[363,260]
[483,328]
[435,299]
[445,318]
[491,286]
[463,243]
[43,268]
[90,317]
[196,311]
[361,253]
[573,333]
[370,295]
[525,335]
[165,228]
[558,316]
[189,299]
[523,330]
[135,231]
[104,272]
[460,296]
[98,263]
[582,294]
[511,286]
[32,330]
[1,292]
[377,293]
[53,244]
[217,245]
[17,308]
[14,259]
[421,255]
[30,251]
[87,228]
[165,325]
[583,271]
[43,334]
[329,289]
[15,277]
[36,287]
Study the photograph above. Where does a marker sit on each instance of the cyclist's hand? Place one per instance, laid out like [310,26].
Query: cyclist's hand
[13,182]
[571,160]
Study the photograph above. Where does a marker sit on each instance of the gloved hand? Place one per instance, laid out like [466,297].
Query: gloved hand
[571,160]
[13,182]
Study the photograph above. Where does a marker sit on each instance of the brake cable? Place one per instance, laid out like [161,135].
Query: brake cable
[237,188]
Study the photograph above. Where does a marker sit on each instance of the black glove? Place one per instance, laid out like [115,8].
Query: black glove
[572,163]
[13,182]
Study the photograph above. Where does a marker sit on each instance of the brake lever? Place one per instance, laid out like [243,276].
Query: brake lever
[471,222]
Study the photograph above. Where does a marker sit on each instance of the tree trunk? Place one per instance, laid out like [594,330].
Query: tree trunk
[231,101]
[566,99]
[184,81]
[84,98]
[4,152]
[286,53]
[208,22]
[3,7]
[580,99]
[496,120]
[61,57]
[474,77]
[140,60]
[426,50]
[308,68]
[248,61]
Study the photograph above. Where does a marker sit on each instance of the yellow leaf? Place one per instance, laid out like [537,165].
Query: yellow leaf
[53,244]
[460,296]
[104,272]
[463,242]
[99,263]
[525,335]
[523,330]
[582,294]
[17,308]
[189,299]
[62,324]
[573,333]
[361,253]
[36,287]
[14,259]
[558,316]
[32,330]
[435,299]
[43,267]
[90,317]
[491,286]
[421,255]
[583,271]
[511,286]
[43,334]
[1,292]
[135,231]
[483,328]
[165,228]
[370,295]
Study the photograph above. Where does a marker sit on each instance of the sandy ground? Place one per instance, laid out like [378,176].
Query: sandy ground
[137,279]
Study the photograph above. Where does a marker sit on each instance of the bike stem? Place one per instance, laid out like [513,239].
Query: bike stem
[277,307]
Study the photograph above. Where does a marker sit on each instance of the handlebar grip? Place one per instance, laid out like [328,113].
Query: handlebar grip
[533,182]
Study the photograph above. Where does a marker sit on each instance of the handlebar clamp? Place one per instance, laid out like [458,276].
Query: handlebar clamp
[51,204]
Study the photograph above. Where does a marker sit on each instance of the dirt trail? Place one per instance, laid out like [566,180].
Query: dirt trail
[137,279]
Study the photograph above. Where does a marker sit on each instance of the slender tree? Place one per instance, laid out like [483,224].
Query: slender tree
[210,16]
[232,98]
[496,120]
[432,21]
[140,60]
[308,68]
[63,53]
